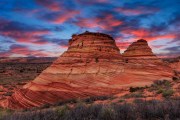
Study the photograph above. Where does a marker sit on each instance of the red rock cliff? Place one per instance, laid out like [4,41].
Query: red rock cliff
[139,51]
[91,66]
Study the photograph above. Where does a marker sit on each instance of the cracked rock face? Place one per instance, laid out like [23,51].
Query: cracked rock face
[92,66]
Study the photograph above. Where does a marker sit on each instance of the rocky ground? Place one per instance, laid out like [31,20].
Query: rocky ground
[16,72]
[161,100]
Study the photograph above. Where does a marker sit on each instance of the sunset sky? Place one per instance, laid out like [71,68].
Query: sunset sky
[42,28]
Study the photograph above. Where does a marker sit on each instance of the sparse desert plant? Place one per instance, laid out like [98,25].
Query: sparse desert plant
[107,113]
[45,106]
[134,95]
[159,91]
[167,93]
[144,110]
[61,111]
[1,90]
[138,100]
[161,82]
[175,78]
[160,85]
[134,89]
[121,100]
[8,93]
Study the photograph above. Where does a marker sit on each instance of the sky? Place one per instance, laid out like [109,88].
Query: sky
[42,28]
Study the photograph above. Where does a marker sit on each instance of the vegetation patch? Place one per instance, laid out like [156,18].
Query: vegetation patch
[134,89]
[144,110]
[167,93]
[134,95]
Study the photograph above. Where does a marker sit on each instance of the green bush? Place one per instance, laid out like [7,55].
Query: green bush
[62,110]
[107,113]
[162,83]
[167,93]
[121,100]
[160,91]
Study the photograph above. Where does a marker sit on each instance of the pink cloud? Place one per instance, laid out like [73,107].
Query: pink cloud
[28,37]
[136,11]
[89,2]
[50,4]
[64,17]
[148,35]
[106,23]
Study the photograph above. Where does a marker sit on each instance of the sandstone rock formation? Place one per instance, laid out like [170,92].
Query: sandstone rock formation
[91,66]
[140,52]
[174,63]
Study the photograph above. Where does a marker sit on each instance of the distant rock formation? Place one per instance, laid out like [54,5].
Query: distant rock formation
[174,63]
[92,66]
[140,52]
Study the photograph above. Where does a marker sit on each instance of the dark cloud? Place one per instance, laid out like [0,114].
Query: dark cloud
[60,42]
[171,52]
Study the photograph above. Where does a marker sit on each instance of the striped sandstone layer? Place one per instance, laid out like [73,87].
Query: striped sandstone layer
[140,52]
[92,66]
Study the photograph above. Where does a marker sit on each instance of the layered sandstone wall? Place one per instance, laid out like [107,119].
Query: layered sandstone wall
[91,66]
[140,52]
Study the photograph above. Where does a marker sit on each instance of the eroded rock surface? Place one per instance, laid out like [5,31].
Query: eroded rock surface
[91,66]
[140,52]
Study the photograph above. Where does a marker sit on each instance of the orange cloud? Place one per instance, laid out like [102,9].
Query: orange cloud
[166,36]
[63,18]
[148,35]
[123,45]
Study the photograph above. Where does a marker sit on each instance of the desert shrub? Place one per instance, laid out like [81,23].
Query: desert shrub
[45,106]
[167,93]
[175,78]
[21,83]
[21,71]
[162,82]
[134,95]
[4,112]
[8,93]
[125,112]
[176,73]
[107,113]
[61,111]
[78,113]
[95,98]
[1,90]
[144,110]
[160,86]
[138,101]
[159,91]
[71,101]
[121,100]
[134,89]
